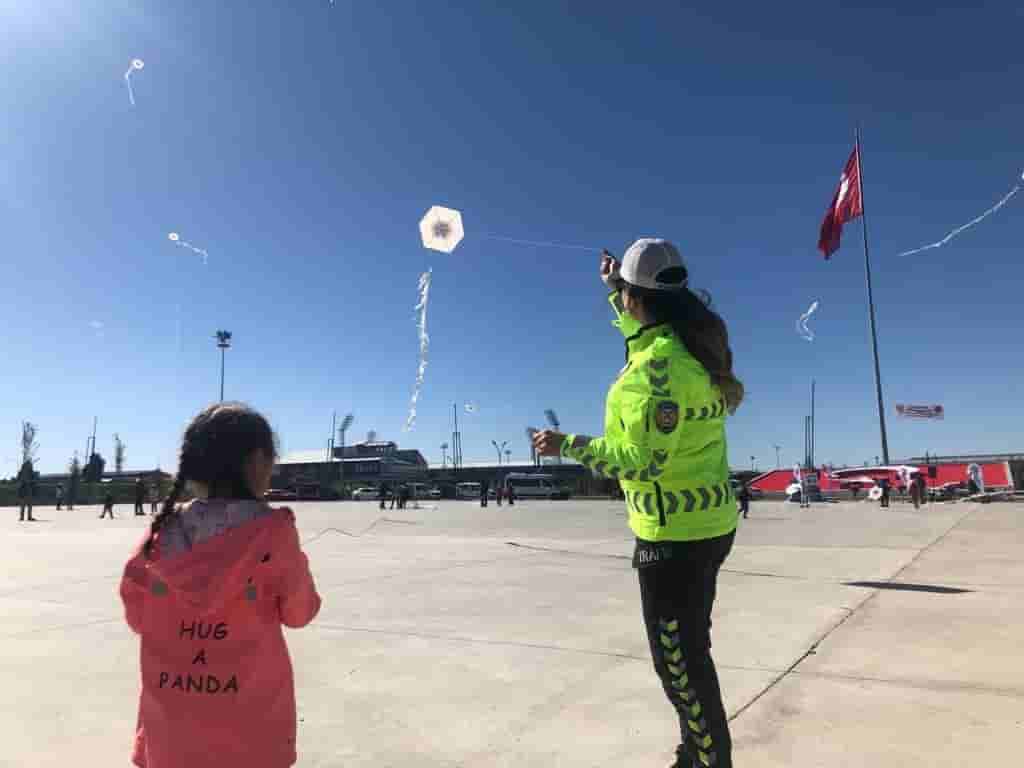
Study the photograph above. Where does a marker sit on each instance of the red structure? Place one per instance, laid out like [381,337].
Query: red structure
[996,475]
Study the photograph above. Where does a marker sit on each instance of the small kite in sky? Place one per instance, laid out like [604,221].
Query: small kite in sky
[175,238]
[471,407]
[969,224]
[135,66]
[801,324]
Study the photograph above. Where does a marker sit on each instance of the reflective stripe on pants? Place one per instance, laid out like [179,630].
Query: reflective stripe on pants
[678,595]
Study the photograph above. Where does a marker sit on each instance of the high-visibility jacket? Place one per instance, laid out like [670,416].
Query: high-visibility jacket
[664,439]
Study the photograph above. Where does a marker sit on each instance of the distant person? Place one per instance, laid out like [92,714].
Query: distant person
[510,494]
[396,493]
[884,485]
[915,493]
[208,605]
[744,499]
[485,488]
[665,440]
[140,497]
[26,491]
[498,492]
[922,484]
[59,491]
[854,491]
[382,495]
[403,495]
[108,505]
[154,497]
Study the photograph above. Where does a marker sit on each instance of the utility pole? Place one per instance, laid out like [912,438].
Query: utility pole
[811,462]
[777,449]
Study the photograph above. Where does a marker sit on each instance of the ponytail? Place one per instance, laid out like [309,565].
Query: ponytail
[701,330]
[167,511]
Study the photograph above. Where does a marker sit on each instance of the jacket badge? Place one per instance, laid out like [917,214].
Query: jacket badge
[666,416]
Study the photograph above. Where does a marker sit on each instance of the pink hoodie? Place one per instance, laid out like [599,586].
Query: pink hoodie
[217,687]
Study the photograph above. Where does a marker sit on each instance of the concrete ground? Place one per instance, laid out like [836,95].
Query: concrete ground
[458,636]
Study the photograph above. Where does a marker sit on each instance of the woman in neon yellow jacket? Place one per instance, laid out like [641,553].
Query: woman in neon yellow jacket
[664,441]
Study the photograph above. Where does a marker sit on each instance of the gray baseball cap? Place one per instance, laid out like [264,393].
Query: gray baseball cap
[646,259]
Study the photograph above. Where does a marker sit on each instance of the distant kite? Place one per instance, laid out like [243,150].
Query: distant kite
[135,66]
[969,224]
[801,324]
[175,238]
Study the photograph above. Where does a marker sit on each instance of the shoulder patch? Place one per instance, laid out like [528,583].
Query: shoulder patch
[666,416]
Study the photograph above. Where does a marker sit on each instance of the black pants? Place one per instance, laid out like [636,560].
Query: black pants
[744,507]
[139,510]
[677,594]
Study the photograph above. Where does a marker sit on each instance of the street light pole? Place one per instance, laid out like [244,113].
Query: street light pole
[345,424]
[777,463]
[223,343]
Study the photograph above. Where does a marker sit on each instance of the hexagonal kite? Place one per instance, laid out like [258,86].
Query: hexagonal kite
[441,229]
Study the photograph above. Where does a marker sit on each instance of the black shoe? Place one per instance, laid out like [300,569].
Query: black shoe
[682,761]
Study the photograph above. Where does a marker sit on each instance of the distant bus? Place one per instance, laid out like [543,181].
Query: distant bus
[534,486]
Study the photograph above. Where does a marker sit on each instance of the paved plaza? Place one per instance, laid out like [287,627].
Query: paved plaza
[845,635]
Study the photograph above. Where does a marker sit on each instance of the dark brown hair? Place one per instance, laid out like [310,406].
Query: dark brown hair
[214,450]
[701,330]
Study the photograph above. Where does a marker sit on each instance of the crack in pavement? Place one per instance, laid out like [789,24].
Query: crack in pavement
[813,649]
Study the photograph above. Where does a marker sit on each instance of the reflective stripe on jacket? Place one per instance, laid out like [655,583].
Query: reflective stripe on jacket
[664,439]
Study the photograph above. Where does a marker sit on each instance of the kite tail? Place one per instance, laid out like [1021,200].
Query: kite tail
[421,327]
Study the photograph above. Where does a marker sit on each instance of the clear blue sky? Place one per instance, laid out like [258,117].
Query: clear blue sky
[300,143]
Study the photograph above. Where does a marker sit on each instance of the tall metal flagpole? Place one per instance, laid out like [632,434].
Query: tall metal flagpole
[871,307]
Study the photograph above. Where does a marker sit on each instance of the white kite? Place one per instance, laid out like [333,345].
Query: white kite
[801,324]
[175,238]
[421,327]
[441,229]
[969,224]
[470,407]
[135,66]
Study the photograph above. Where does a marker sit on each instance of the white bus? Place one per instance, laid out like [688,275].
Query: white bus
[534,486]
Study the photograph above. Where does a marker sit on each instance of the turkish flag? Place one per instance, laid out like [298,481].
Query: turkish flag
[847,205]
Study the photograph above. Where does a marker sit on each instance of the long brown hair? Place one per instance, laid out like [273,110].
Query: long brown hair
[214,451]
[701,330]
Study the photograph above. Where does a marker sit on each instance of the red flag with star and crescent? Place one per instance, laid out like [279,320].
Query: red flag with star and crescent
[847,205]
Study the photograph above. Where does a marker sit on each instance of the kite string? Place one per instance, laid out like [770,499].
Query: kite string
[543,243]
[968,225]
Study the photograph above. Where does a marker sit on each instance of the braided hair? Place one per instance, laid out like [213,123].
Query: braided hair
[214,451]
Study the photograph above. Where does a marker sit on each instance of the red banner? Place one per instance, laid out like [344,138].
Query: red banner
[920,411]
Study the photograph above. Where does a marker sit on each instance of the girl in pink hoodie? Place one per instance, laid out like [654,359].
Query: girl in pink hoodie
[208,591]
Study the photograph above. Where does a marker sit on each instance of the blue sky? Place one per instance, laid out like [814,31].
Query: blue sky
[300,143]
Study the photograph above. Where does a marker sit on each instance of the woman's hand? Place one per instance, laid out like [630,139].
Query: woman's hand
[548,442]
[610,270]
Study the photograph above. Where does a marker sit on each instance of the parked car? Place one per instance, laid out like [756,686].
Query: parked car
[467,490]
[423,491]
[280,494]
[362,494]
[535,486]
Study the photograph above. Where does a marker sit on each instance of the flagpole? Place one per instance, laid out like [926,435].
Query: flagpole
[871,307]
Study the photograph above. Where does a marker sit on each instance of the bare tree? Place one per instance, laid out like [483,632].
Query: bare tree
[29,446]
[118,454]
